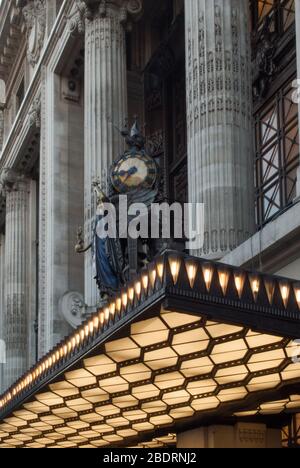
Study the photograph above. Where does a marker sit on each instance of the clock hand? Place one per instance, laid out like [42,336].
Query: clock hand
[130,172]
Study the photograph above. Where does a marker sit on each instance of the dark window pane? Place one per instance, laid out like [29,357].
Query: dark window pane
[279,13]
[264,8]
[271,201]
[269,126]
[270,163]
[277,154]
[288,13]
[291,181]
[291,145]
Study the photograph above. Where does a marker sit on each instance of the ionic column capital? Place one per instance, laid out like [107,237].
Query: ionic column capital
[87,10]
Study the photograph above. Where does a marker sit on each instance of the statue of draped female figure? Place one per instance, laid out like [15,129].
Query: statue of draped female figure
[107,252]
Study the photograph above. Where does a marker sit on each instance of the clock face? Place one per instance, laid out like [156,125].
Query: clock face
[133,171]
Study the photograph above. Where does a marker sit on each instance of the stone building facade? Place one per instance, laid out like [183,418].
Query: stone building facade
[213,82]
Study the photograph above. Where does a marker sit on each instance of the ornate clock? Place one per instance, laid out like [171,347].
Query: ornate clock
[135,170]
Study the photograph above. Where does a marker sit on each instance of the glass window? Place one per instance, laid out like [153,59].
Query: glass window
[264,8]
[280,13]
[277,154]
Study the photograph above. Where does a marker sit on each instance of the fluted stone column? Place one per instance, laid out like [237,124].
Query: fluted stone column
[220,154]
[16,276]
[2,282]
[104,24]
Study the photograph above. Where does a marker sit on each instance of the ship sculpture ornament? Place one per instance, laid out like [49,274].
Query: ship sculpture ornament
[134,175]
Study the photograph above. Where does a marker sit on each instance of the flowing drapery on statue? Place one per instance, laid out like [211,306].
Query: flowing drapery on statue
[107,252]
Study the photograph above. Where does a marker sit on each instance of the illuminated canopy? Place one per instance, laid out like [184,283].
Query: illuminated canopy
[188,341]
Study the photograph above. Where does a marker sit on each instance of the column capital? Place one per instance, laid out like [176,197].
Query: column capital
[12,181]
[124,10]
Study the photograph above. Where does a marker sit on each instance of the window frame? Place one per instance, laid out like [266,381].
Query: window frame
[281,175]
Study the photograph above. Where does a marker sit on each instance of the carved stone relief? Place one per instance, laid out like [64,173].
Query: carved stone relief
[217,79]
[35,18]
[72,308]
[35,113]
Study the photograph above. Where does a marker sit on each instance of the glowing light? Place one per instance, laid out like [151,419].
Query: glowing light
[124,299]
[239,284]
[96,322]
[191,269]
[145,281]
[153,278]
[91,327]
[223,279]
[285,292]
[138,288]
[208,271]
[131,294]
[255,285]
[102,318]
[175,264]
[119,304]
[297,293]
[112,309]
[160,270]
